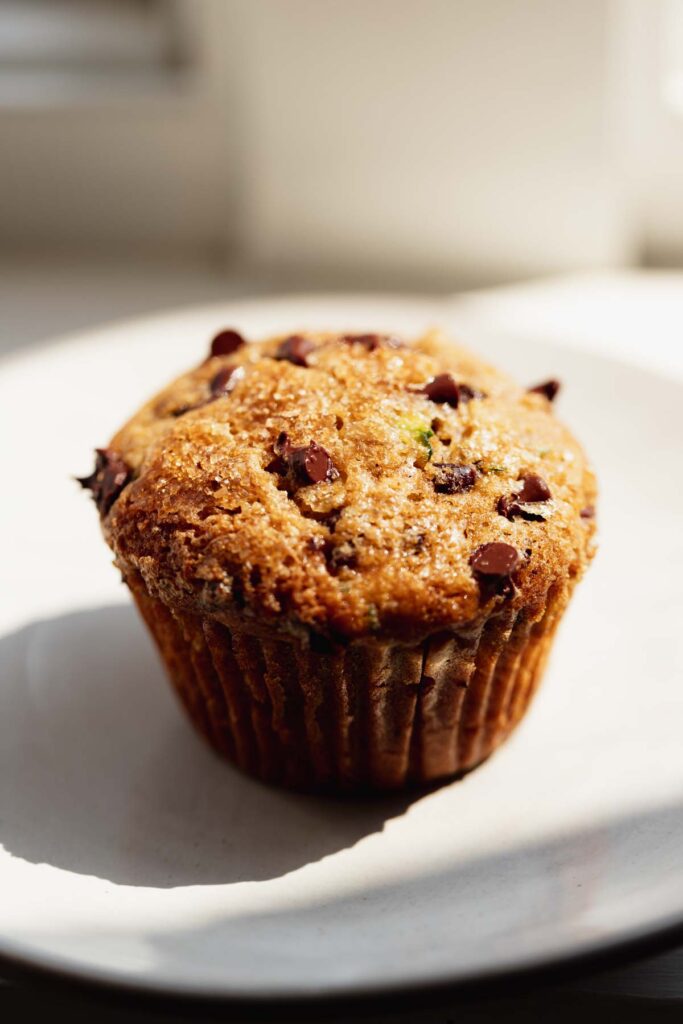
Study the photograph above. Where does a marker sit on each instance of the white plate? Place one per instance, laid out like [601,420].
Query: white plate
[131,855]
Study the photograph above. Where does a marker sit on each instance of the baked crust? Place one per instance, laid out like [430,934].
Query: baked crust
[382,551]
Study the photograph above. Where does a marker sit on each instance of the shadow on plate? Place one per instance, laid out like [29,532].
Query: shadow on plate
[101,775]
[522,907]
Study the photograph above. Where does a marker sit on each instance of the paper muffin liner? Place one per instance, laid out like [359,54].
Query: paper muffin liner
[371,716]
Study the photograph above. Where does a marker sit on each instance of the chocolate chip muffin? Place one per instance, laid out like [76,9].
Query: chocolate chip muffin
[352,551]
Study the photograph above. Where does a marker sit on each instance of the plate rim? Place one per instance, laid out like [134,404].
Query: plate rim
[594,957]
[107,983]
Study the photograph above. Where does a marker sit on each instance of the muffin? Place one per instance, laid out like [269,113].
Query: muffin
[352,551]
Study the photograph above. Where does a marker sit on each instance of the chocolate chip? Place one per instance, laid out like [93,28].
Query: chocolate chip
[506,506]
[226,342]
[110,476]
[451,478]
[312,464]
[534,489]
[510,507]
[277,465]
[295,349]
[225,380]
[496,559]
[467,393]
[588,512]
[371,342]
[281,450]
[549,388]
[493,565]
[283,445]
[444,389]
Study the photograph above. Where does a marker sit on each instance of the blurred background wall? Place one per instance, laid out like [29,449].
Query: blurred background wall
[395,143]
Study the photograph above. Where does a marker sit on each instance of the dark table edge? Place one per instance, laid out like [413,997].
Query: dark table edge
[491,985]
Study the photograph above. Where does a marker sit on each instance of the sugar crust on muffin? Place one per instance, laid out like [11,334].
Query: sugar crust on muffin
[349,486]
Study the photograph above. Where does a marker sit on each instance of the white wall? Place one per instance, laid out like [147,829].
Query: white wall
[651,74]
[126,179]
[465,135]
[446,139]
[133,165]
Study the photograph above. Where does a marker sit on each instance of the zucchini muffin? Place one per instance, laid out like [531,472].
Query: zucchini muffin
[352,551]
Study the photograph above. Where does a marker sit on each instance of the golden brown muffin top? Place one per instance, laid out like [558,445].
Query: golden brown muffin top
[348,485]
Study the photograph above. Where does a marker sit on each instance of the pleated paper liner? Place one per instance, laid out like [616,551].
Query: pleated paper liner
[368,717]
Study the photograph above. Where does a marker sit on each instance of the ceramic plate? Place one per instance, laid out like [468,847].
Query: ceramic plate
[131,855]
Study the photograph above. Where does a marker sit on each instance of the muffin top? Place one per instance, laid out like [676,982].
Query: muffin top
[346,485]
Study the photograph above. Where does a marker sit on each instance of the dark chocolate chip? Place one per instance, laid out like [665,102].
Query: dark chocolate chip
[496,559]
[110,476]
[368,341]
[312,464]
[226,342]
[588,512]
[281,450]
[549,388]
[467,393]
[295,349]
[444,389]
[283,445]
[225,380]
[510,507]
[277,465]
[534,488]
[451,478]
[506,506]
